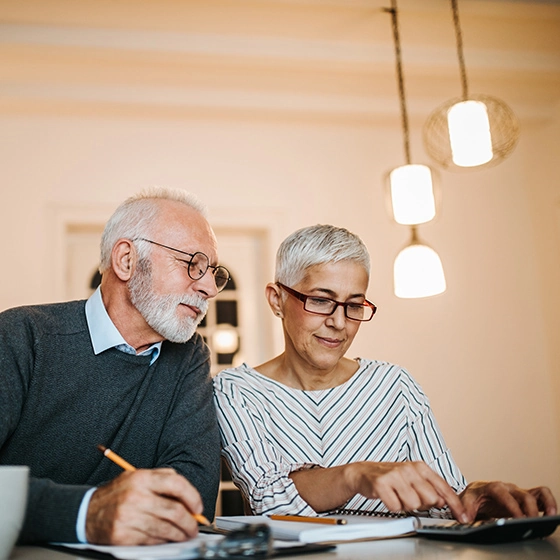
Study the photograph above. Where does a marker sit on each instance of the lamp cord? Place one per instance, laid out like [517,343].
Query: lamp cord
[459,38]
[400,79]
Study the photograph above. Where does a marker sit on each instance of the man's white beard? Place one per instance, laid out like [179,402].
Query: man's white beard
[160,311]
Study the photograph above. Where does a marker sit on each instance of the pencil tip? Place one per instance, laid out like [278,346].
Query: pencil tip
[101,448]
[202,520]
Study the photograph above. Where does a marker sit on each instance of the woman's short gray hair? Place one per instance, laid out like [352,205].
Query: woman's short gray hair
[315,245]
[135,216]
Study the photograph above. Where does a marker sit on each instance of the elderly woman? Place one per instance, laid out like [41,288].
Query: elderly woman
[312,431]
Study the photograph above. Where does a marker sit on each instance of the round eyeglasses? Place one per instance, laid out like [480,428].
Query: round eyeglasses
[325,306]
[197,265]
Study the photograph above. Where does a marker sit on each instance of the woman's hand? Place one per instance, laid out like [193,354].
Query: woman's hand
[405,486]
[484,500]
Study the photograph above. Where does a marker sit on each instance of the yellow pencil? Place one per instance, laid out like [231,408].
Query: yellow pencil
[303,519]
[117,459]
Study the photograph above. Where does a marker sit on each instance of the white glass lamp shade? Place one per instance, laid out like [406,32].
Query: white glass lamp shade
[502,130]
[469,134]
[418,272]
[412,194]
[225,339]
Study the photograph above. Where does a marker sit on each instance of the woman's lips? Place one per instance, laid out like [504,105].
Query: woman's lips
[329,342]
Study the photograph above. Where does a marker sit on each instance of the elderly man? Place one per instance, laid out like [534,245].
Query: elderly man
[126,370]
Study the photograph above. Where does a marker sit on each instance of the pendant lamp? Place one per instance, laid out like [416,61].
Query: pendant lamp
[418,271]
[410,186]
[472,131]
[412,191]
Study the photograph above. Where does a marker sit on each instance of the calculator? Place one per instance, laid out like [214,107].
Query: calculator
[492,531]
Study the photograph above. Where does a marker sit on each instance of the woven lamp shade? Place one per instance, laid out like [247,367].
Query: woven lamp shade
[504,131]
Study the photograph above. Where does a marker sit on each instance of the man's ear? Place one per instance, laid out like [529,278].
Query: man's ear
[274,297]
[123,259]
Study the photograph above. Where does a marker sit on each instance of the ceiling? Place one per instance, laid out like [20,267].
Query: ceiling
[273,57]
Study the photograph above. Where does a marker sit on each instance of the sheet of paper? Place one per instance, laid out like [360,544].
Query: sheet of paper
[169,551]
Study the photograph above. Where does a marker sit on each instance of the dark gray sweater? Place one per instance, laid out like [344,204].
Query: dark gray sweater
[58,401]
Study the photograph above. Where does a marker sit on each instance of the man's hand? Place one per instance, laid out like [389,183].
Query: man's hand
[143,507]
[484,500]
[406,486]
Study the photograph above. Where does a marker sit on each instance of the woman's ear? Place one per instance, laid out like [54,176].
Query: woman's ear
[274,297]
[123,259]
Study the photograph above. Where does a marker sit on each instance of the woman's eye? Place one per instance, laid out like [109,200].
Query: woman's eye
[320,301]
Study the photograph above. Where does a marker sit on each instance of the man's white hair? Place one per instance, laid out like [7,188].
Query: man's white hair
[315,245]
[135,216]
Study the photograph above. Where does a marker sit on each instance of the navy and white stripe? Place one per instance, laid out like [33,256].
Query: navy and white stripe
[269,430]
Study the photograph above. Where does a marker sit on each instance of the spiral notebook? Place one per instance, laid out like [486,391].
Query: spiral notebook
[355,528]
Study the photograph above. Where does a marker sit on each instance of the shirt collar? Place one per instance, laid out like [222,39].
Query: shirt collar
[105,335]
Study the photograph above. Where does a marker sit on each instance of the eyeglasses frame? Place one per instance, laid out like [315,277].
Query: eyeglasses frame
[191,255]
[303,298]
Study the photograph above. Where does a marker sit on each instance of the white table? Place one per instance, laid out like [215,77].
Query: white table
[390,549]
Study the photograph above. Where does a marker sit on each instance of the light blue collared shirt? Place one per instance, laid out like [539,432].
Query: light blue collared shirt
[104,335]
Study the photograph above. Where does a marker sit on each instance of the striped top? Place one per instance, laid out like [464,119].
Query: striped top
[269,430]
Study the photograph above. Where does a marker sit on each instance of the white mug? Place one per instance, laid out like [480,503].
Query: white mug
[14,481]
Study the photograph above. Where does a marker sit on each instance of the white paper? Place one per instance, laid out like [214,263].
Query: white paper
[168,551]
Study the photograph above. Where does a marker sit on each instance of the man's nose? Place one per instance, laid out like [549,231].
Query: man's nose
[206,285]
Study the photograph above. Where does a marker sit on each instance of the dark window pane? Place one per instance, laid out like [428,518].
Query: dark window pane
[226,312]
[225,359]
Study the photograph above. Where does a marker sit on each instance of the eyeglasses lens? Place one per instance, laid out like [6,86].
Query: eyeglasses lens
[221,277]
[318,305]
[198,266]
[358,312]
